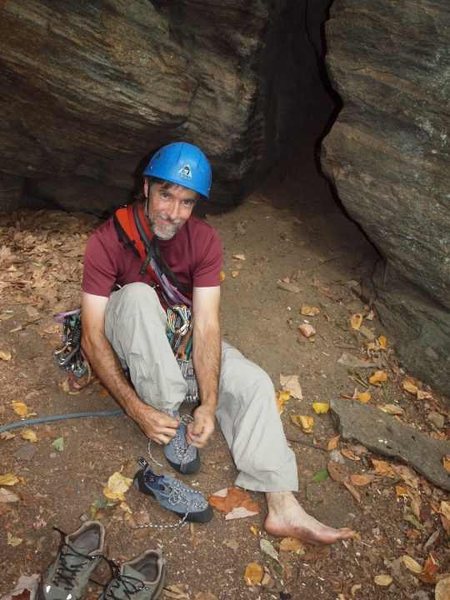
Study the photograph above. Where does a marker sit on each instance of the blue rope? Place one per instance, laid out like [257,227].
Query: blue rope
[49,419]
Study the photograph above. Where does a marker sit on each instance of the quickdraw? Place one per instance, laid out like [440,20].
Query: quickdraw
[70,356]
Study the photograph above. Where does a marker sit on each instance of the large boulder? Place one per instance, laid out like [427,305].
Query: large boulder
[388,155]
[90,89]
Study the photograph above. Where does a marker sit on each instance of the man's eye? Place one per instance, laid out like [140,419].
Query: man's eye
[164,195]
[188,203]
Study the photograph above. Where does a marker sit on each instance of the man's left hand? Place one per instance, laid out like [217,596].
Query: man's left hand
[202,427]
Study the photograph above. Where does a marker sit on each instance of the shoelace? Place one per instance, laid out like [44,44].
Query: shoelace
[66,574]
[123,582]
[182,450]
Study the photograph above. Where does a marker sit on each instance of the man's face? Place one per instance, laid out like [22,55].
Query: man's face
[169,206]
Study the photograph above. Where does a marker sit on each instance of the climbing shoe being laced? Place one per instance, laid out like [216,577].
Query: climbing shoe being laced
[187,503]
[78,555]
[183,457]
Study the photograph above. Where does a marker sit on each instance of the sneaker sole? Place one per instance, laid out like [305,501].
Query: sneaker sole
[199,517]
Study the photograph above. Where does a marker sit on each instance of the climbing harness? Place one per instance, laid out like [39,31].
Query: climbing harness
[70,356]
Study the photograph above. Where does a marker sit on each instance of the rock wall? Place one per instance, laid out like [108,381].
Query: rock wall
[89,89]
[388,155]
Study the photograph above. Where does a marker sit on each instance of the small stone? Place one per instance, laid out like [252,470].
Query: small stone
[436,419]
[25,452]
[307,330]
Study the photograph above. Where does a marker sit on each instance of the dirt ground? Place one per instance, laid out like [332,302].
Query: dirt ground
[290,232]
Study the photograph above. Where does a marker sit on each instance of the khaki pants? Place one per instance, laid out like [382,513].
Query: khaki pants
[135,325]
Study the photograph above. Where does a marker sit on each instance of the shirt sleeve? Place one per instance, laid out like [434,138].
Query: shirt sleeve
[208,268]
[100,268]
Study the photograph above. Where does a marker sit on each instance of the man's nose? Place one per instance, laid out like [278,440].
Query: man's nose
[174,210]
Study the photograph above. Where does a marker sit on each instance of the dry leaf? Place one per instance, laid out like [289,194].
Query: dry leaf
[307,330]
[240,512]
[442,589]
[268,549]
[361,479]
[116,487]
[255,530]
[337,471]
[5,355]
[363,397]
[320,408]
[444,509]
[29,435]
[422,395]
[356,321]
[6,496]
[333,443]
[383,580]
[239,256]
[401,491]
[291,384]
[411,564]
[305,423]
[9,479]
[383,468]
[229,499]
[446,462]
[409,385]
[356,495]
[176,592]
[12,540]
[290,544]
[222,276]
[21,409]
[309,311]
[254,574]
[7,435]
[407,474]
[429,571]
[378,377]
[348,453]
[235,274]
[281,398]
[392,409]
[383,342]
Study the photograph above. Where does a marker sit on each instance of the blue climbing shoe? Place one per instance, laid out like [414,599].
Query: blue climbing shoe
[183,457]
[174,495]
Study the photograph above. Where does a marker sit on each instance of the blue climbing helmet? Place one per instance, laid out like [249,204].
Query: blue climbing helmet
[183,164]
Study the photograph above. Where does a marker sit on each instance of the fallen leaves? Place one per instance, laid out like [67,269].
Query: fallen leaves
[363,397]
[320,408]
[446,462]
[281,398]
[268,549]
[305,423]
[309,311]
[116,487]
[409,385]
[361,479]
[29,435]
[291,384]
[383,580]
[356,321]
[442,590]
[58,444]
[5,355]
[378,378]
[383,468]
[290,544]
[21,409]
[13,540]
[7,496]
[233,501]
[254,573]
[9,479]
[333,443]
[392,409]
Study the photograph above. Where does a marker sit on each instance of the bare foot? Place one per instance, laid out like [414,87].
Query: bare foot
[287,518]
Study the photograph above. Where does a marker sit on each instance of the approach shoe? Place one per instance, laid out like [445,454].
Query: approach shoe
[183,457]
[78,555]
[174,495]
[141,578]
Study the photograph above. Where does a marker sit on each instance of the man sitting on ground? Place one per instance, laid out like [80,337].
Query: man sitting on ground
[125,328]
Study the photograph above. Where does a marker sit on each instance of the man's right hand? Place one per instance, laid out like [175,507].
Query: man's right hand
[156,425]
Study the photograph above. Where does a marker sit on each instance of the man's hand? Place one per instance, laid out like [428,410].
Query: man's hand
[155,424]
[201,429]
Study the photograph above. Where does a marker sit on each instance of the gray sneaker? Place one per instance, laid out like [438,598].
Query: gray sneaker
[78,555]
[183,457]
[141,578]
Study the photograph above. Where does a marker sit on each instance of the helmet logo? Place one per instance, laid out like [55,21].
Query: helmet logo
[185,172]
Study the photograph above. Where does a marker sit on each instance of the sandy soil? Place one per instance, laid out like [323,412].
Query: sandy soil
[291,231]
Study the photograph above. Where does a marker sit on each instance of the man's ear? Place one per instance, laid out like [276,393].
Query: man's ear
[146,188]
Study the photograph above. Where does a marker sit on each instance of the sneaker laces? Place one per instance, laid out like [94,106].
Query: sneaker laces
[125,583]
[66,574]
